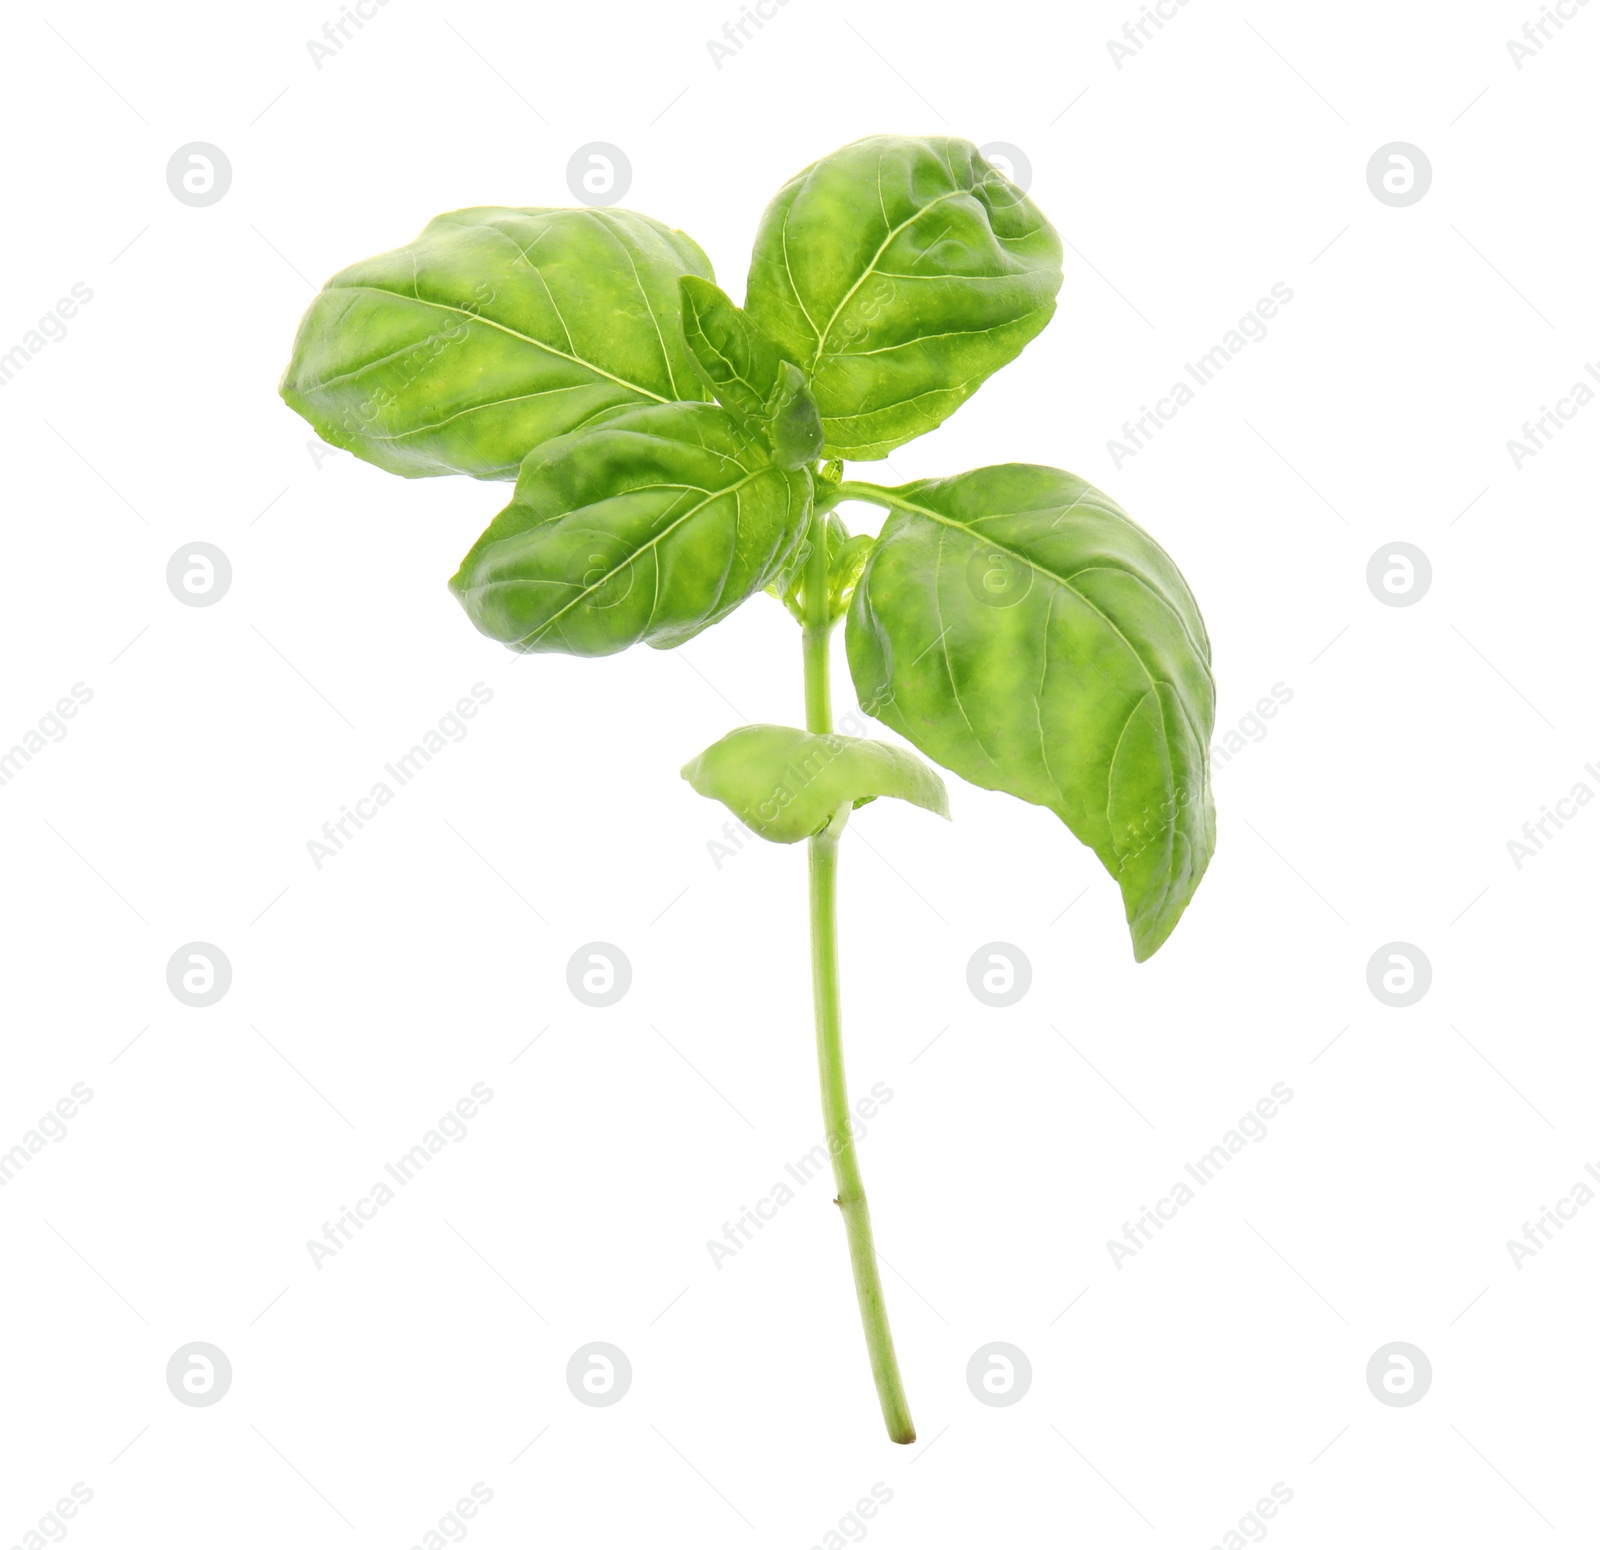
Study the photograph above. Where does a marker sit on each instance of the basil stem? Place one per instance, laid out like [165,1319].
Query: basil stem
[824,868]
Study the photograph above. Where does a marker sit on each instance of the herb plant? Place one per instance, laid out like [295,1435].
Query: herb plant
[675,454]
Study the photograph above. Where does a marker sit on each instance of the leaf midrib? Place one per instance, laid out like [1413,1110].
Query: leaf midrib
[488,322]
[672,527]
[861,279]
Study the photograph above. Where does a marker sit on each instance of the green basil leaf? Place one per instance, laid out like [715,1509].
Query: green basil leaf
[1016,626]
[794,423]
[786,784]
[899,274]
[494,331]
[729,353]
[847,558]
[648,526]
[740,365]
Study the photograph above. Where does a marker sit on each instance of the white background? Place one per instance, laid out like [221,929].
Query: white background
[368,996]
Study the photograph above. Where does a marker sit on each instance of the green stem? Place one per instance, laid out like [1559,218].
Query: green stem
[824,867]
[872,494]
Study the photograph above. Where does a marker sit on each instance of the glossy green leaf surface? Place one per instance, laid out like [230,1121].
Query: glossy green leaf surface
[496,330]
[648,526]
[786,784]
[899,274]
[1016,626]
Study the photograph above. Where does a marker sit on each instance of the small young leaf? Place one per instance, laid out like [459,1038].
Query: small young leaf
[494,331]
[847,554]
[741,366]
[794,424]
[899,274]
[786,784]
[648,526]
[847,558]
[729,353]
[1018,628]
